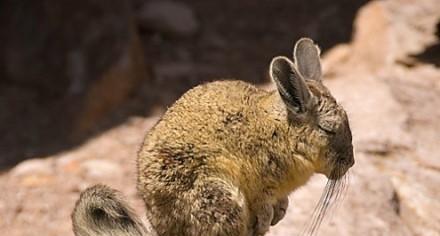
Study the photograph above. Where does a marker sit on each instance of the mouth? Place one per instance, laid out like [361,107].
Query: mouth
[336,175]
[340,167]
[339,171]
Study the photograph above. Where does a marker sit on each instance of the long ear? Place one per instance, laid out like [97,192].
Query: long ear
[306,55]
[290,84]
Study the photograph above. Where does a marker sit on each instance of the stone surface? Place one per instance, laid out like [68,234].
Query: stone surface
[61,56]
[113,88]
[55,83]
[38,195]
[67,66]
[101,168]
[367,208]
[168,17]
[392,101]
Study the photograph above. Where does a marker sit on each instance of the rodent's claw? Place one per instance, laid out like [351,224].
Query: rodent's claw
[269,215]
[264,218]
[279,210]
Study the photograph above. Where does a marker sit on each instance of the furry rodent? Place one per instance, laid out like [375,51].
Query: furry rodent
[223,159]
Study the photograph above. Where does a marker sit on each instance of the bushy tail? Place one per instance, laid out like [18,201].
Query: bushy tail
[101,211]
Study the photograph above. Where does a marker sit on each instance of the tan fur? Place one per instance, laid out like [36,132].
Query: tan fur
[226,154]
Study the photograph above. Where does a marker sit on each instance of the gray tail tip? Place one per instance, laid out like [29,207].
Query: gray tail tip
[101,210]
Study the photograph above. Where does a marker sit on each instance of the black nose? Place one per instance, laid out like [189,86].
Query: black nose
[351,161]
[350,157]
[346,157]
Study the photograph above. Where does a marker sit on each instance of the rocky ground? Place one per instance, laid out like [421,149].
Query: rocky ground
[387,78]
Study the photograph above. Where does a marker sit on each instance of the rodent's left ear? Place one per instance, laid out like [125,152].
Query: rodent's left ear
[290,84]
[306,55]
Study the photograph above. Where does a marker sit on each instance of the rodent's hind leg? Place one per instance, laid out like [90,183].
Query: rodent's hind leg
[218,209]
[279,210]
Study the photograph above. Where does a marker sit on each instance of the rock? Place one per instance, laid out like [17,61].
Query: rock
[67,54]
[101,168]
[69,163]
[33,167]
[415,171]
[368,100]
[373,34]
[395,117]
[385,32]
[367,208]
[36,180]
[393,110]
[168,17]
[334,59]
[35,173]
[113,87]
[171,71]
[417,188]
[75,71]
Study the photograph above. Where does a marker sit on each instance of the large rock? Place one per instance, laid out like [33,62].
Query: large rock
[385,33]
[62,48]
[168,17]
[393,99]
[64,67]
[113,87]
[393,108]
[38,195]
[368,207]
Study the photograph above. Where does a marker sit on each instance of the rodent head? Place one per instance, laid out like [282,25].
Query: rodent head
[312,111]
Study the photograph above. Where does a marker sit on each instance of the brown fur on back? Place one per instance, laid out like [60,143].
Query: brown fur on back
[227,140]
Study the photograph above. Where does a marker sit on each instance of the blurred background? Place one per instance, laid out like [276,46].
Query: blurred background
[81,82]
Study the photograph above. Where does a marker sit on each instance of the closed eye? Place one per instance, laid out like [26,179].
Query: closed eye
[326,130]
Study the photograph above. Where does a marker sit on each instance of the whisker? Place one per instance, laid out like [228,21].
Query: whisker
[333,194]
[317,209]
[341,192]
[320,209]
[346,184]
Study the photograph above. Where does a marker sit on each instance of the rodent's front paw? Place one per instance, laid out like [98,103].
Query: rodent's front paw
[263,220]
[269,215]
[279,210]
